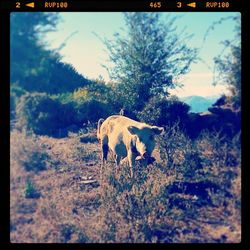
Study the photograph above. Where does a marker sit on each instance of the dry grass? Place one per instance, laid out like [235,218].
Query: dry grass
[164,203]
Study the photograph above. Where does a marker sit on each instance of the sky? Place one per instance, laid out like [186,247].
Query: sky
[86,52]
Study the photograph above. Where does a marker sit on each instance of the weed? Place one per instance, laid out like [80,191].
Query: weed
[81,151]
[30,190]
[66,231]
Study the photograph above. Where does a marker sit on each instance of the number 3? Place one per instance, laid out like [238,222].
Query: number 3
[179,4]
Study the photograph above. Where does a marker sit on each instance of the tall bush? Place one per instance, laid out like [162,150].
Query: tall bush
[164,112]
[40,113]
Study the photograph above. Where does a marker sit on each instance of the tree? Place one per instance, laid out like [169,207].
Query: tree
[228,65]
[33,66]
[27,56]
[149,58]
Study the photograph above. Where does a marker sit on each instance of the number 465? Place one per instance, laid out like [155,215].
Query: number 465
[155,5]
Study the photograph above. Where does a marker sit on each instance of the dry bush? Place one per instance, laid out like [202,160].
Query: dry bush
[88,134]
[219,150]
[192,195]
[81,150]
[27,150]
[178,152]
[133,208]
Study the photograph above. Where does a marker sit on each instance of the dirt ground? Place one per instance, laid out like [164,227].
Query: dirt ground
[68,204]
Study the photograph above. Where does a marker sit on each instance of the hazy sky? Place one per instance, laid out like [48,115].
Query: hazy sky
[86,52]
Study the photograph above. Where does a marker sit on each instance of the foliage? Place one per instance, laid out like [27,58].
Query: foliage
[229,69]
[174,146]
[15,94]
[148,59]
[97,89]
[63,77]
[228,64]
[224,151]
[30,190]
[41,114]
[93,102]
[64,98]
[192,193]
[24,65]
[164,111]
[91,110]
[132,208]
[47,115]
[221,100]
[27,150]
[33,66]
[165,201]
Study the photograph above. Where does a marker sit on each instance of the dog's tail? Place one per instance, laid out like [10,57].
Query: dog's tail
[98,127]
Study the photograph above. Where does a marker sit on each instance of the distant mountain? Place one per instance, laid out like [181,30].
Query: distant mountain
[199,103]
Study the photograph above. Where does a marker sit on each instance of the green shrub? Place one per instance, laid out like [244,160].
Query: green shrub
[91,110]
[42,114]
[30,190]
[45,115]
[163,112]
[64,98]
[15,94]
[85,105]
